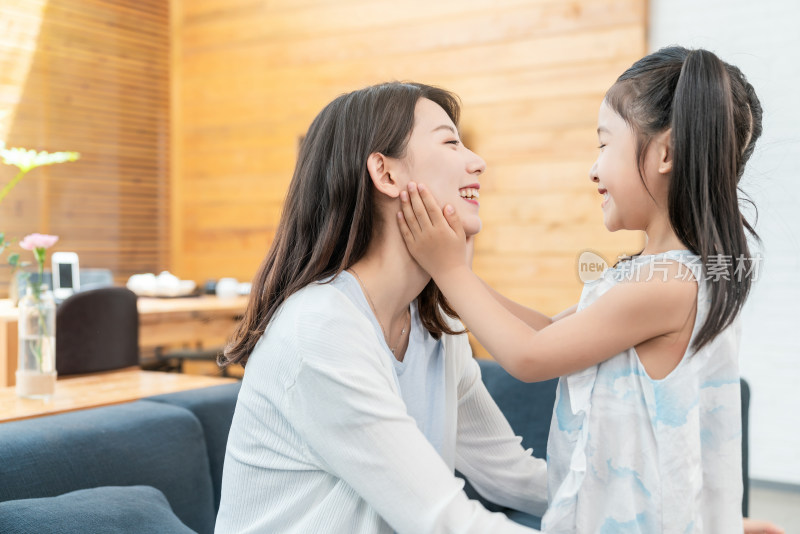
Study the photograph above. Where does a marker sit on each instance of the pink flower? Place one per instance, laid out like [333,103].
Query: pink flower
[34,241]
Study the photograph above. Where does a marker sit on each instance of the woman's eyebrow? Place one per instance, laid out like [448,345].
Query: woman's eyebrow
[445,127]
[602,129]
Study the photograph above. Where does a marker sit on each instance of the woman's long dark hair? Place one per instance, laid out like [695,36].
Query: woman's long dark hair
[328,219]
[715,118]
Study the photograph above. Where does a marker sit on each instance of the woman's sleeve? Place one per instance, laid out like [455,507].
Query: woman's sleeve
[490,455]
[344,407]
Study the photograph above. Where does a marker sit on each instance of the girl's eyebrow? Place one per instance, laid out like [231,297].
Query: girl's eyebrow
[602,129]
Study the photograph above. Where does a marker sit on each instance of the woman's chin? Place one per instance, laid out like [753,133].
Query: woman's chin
[472,226]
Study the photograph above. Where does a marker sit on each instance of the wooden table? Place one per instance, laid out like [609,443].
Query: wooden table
[101,389]
[193,321]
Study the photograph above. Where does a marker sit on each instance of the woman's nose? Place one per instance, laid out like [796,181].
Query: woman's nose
[476,164]
[593,173]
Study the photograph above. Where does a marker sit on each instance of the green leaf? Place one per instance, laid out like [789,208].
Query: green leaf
[13,259]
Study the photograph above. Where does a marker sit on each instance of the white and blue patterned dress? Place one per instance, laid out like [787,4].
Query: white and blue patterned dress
[629,454]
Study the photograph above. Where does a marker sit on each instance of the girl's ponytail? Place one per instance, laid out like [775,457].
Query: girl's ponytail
[703,201]
[715,120]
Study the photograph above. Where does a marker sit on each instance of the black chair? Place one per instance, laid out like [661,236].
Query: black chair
[172,360]
[97,330]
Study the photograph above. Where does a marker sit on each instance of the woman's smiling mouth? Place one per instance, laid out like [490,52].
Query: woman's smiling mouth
[470,193]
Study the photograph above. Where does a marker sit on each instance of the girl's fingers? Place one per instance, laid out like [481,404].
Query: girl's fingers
[405,231]
[432,208]
[419,207]
[753,526]
[409,216]
[453,220]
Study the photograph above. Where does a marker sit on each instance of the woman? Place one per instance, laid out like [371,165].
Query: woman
[361,396]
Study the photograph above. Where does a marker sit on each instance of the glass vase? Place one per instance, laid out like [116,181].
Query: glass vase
[13,288]
[36,369]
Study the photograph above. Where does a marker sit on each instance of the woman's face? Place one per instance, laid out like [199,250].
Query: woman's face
[436,158]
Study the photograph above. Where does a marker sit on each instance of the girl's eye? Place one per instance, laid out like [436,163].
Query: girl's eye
[601,147]
[453,142]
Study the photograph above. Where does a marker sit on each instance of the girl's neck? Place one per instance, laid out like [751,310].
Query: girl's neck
[660,237]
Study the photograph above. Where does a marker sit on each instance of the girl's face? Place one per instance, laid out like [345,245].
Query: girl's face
[626,203]
[436,158]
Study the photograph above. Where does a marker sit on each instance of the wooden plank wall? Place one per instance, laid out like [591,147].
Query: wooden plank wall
[90,76]
[249,76]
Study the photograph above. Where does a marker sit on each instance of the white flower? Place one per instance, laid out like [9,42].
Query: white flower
[26,160]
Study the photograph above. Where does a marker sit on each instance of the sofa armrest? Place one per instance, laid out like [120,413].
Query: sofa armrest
[213,407]
[139,443]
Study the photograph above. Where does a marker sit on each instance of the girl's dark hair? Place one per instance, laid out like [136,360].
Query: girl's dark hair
[328,219]
[715,118]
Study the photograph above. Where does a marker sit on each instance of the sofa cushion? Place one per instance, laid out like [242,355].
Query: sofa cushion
[110,509]
[524,519]
[214,407]
[139,443]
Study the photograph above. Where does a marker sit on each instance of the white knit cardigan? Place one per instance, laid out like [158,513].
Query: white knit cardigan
[321,441]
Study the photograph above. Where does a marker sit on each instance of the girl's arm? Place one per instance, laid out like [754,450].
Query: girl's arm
[625,316]
[535,319]
[529,316]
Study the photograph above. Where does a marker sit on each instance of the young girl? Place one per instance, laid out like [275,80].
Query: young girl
[646,430]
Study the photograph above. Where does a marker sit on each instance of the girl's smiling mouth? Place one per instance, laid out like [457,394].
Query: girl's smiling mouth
[603,192]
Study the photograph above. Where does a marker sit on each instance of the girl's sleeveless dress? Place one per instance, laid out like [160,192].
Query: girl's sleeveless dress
[629,454]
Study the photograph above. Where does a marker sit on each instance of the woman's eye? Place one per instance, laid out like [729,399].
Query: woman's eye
[453,142]
[601,147]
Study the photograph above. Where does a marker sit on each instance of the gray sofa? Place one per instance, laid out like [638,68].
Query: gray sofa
[95,470]
[155,465]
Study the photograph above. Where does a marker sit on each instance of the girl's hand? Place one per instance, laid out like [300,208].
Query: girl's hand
[436,240]
[752,526]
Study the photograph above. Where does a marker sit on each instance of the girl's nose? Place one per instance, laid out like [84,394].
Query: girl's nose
[593,173]
[476,164]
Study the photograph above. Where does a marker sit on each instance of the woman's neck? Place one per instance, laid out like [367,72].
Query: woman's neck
[391,278]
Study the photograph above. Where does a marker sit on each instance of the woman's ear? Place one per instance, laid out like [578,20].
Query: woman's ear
[664,146]
[378,167]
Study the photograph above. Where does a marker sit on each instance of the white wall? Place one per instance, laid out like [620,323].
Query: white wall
[763,39]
